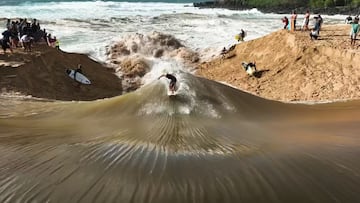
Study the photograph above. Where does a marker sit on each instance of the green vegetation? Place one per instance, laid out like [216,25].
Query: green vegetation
[297,3]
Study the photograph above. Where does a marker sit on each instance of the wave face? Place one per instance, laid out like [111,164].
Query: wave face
[209,143]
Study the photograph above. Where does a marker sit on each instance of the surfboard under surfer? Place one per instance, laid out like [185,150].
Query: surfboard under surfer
[172,79]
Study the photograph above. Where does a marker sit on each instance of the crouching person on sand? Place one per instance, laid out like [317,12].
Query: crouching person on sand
[314,34]
[250,68]
[223,52]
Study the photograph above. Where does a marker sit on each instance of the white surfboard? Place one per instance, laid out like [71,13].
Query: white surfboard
[171,93]
[78,77]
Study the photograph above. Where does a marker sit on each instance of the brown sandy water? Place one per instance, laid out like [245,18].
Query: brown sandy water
[209,143]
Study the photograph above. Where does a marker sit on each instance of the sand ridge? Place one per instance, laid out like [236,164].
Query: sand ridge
[292,67]
[41,73]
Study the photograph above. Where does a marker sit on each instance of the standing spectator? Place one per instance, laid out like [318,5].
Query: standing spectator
[8,24]
[27,29]
[354,31]
[348,20]
[5,44]
[356,19]
[320,19]
[6,35]
[14,35]
[293,20]
[241,35]
[285,20]
[57,43]
[34,26]
[305,26]
[44,35]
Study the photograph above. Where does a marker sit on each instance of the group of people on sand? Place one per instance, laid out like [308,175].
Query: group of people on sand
[314,33]
[318,21]
[291,25]
[23,33]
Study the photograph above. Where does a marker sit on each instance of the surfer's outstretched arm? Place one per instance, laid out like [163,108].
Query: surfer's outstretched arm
[161,76]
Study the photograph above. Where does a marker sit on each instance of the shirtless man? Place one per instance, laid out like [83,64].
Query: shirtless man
[172,81]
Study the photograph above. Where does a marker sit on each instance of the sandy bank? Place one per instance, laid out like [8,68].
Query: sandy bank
[41,73]
[292,67]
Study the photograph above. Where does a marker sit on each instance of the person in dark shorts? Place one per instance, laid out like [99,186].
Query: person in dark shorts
[285,20]
[172,79]
[5,44]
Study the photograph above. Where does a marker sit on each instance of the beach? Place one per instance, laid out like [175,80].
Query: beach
[289,133]
[293,67]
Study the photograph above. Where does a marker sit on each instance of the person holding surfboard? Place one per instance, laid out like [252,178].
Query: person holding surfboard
[77,75]
[172,79]
[240,37]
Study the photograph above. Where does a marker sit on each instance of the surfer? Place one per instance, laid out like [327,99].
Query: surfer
[241,35]
[172,79]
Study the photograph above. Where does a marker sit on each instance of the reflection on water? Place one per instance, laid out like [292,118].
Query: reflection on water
[210,144]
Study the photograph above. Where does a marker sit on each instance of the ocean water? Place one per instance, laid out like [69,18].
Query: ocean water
[89,26]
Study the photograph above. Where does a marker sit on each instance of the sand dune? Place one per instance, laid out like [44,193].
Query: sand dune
[294,68]
[41,73]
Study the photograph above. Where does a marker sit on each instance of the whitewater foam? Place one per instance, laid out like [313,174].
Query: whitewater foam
[99,23]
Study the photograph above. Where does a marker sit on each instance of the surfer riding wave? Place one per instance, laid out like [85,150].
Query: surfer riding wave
[172,79]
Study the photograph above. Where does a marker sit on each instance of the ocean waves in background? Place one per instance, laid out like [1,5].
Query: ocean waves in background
[89,26]
[31,2]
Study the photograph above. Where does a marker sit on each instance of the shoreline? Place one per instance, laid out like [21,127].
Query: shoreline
[345,10]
